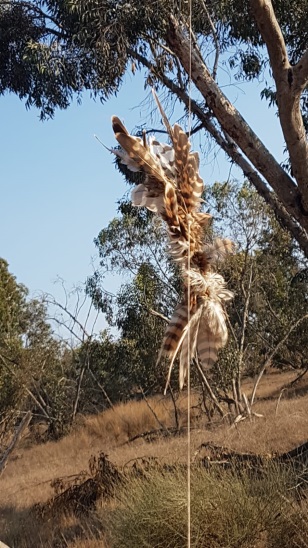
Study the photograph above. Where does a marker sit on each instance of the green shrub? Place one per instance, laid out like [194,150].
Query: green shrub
[228,510]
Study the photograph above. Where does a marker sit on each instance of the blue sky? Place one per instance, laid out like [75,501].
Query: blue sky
[59,186]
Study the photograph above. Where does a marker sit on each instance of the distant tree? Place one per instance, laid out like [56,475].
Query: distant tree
[268,318]
[12,327]
[134,245]
[268,322]
[12,309]
[33,372]
[53,50]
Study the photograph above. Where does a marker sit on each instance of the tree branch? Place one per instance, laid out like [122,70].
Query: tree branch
[230,148]
[158,314]
[300,72]
[272,354]
[215,38]
[235,125]
[32,396]
[289,85]
[19,431]
[34,8]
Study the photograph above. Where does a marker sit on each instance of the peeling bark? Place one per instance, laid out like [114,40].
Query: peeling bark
[292,198]
[290,82]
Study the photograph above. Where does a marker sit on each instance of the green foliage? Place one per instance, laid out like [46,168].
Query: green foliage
[33,370]
[260,274]
[38,372]
[50,51]
[12,309]
[134,245]
[12,327]
[129,362]
[228,509]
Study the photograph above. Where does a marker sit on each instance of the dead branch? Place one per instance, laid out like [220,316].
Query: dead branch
[19,431]
[272,354]
[163,427]
[153,434]
[158,314]
[209,389]
[101,388]
[247,295]
[29,392]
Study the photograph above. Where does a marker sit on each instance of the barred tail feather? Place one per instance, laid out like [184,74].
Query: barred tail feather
[189,345]
[212,336]
[174,332]
[171,213]
[117,126]
[207,348]
[137,152]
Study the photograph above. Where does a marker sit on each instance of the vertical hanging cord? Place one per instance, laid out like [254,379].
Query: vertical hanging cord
[188,315]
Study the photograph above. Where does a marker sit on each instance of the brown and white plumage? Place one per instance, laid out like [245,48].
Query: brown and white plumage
[172,188]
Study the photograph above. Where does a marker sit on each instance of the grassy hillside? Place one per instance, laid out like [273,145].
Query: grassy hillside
[147,506]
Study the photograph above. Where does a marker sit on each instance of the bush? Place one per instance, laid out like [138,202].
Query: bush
[227,511]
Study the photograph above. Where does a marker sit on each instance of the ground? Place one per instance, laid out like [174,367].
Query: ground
[32,468]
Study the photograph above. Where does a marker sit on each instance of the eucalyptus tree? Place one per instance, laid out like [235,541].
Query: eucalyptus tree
[49,51]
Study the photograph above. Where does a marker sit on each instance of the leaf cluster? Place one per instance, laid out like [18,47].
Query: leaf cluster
[51,50]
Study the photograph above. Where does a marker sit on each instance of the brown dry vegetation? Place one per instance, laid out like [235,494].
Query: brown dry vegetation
[26,480]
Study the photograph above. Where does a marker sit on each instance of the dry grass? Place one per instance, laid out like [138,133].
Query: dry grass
[25,529]
[282,427]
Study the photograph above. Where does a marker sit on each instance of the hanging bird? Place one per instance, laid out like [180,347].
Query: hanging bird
[172,189]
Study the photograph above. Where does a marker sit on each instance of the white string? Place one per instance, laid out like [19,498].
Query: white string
[188,403]
[188,312]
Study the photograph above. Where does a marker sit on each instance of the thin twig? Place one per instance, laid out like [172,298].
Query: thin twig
[269,359]
[215,36]
[209,389]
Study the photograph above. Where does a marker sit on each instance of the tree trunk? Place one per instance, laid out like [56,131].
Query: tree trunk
[293,197]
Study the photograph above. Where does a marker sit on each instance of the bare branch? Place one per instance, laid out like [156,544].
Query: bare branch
[216,41]
[271,34]
[23,425]
[247,296]
[209,389]
[32,396]
[49,299]
[158,314]
[101,387]
[272,354]
[163,427]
